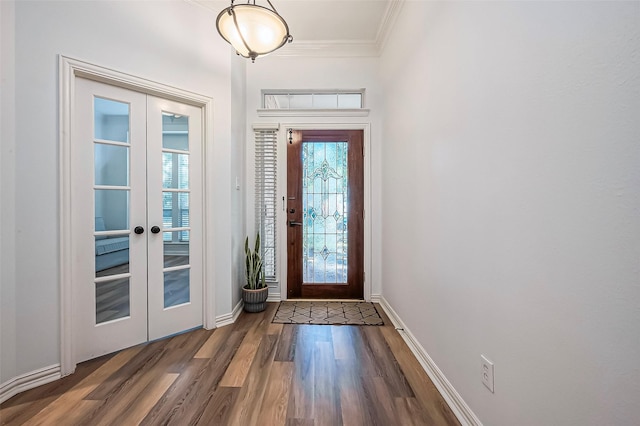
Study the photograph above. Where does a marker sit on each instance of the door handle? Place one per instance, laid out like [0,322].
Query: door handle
[292,223]
[155,229]
[138,229]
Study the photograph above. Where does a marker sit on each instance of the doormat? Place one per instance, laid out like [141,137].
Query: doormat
[347,313]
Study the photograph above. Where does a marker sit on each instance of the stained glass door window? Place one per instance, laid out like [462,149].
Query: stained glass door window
[325,211]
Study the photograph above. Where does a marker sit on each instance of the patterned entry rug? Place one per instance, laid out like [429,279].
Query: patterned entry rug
[348,313]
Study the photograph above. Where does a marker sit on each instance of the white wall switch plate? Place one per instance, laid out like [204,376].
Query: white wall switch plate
[487,372]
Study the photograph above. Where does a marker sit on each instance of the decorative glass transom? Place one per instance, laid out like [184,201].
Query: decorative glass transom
[325,204]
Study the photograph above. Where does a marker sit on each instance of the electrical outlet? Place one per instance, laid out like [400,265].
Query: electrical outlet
[487,372]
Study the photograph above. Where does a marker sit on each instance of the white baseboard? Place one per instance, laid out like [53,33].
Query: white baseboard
[29,381]
[274,292]
[459,408]
[227,319]
[376,298]
[274,297]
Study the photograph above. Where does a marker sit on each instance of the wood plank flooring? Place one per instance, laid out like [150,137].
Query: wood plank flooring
[249,373]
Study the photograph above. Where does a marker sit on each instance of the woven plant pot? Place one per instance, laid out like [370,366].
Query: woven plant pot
[255,300]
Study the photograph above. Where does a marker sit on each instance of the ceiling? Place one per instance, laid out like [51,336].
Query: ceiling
[330,27]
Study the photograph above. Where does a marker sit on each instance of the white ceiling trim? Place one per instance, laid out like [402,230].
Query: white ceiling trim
[346,48]
[333,48]
[387,23]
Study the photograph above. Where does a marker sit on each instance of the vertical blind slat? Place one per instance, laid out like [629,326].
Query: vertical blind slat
[265,182]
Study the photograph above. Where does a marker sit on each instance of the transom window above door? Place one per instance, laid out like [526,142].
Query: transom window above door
[313,102]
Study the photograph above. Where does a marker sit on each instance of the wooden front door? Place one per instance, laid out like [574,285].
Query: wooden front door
[325,214]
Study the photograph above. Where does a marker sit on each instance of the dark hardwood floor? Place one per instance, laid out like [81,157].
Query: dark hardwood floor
[252,372]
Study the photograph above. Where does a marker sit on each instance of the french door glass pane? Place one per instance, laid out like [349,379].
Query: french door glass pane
[176,248]
[111,164]
[111,120]
[176,287]
[175,131]
[175,209]
[112,300]
[325,207]
[112,206]
[112,255]
[175,170]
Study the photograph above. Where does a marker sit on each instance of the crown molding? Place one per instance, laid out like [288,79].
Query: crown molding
[331,48]
[387,23]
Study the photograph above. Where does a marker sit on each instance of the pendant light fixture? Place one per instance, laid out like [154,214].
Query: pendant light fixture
[253,30]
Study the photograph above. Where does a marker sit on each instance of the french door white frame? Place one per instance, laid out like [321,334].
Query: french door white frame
[282,189]
[69,70]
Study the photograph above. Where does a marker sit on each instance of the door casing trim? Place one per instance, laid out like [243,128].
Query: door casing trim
[282,188]
[70,69]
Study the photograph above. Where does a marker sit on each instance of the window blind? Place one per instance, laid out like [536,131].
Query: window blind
[266,172]
[175,205]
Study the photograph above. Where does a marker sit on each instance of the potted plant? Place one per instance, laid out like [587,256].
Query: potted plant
[255,292]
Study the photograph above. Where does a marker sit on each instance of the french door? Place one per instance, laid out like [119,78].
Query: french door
[136,212]
[325,214]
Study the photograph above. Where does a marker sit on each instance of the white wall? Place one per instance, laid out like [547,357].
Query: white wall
[238,143]
[277,72]
[172,42]
[511,202]
[7,192]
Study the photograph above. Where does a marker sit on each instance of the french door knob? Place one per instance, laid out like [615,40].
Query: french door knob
[155,229]
[138,229]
